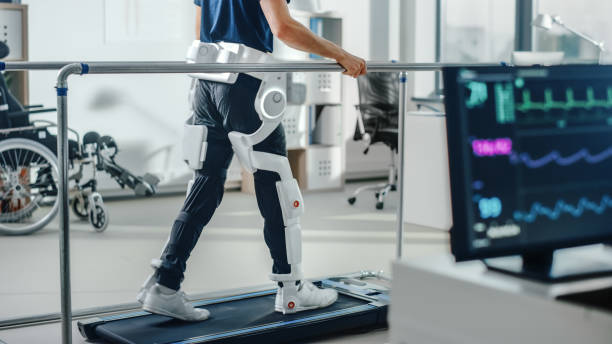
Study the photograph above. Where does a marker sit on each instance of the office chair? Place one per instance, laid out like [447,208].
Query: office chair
[377,122]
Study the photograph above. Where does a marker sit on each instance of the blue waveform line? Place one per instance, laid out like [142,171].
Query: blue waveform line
[556,157]
[561,207]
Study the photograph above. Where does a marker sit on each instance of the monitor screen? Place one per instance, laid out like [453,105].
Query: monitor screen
[530,157]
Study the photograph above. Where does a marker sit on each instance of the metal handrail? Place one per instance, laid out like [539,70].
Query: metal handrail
[178,67]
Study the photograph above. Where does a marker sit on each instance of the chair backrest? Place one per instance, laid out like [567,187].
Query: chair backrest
[4,50]
[379,90]
[9,104]
[378,104]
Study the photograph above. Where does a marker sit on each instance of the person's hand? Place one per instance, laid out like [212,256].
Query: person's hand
[353,65]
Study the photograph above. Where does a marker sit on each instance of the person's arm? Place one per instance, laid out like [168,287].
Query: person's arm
[297,36]
[198,20]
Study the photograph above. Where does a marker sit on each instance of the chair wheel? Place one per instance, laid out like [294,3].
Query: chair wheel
[393,187]
[352,200]
[376,195]
[380,205]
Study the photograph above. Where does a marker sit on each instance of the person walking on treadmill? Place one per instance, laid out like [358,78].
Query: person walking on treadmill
[225,108]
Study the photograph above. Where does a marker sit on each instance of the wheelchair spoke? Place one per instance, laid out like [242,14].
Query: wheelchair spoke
[5,161]
[16,159]
[28,190]
[2,155]
[25,158]
[18,153]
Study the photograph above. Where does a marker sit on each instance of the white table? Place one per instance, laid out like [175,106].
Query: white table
[440,301]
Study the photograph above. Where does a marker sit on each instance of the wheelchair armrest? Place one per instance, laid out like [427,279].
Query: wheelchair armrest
[32,106]
[31,112]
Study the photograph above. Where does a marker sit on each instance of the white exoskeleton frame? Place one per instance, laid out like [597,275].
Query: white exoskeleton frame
[270,105]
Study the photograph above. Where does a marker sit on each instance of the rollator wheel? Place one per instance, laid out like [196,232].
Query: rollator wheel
[98,215]
[79,207]
[380,205]
[352,200]
[28,186]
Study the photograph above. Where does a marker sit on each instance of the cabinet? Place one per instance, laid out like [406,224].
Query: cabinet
[14,32]
[314,128]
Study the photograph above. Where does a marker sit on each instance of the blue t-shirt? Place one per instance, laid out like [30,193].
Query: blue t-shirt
[235,21]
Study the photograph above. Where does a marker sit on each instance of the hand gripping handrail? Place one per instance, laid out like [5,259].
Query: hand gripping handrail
[66,69]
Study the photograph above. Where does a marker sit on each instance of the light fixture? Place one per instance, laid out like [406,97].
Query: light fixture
[546,21]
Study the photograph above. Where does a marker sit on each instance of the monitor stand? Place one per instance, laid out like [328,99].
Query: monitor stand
[556,266]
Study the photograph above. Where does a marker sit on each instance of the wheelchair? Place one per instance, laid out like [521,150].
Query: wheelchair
[29,170]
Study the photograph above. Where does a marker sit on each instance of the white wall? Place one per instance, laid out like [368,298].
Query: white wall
[148,110]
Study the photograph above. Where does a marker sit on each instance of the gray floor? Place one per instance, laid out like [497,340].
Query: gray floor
[109,268]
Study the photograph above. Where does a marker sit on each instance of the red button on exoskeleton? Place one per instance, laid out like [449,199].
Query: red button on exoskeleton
[291,305]
[296,204]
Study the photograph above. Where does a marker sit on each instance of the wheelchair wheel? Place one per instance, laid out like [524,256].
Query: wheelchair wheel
[98,215]
[79,207]
[28,186]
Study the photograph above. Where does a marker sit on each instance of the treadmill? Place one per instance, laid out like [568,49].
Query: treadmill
[249,317]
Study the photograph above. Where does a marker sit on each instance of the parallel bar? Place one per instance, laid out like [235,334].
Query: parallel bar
[62,157]
[66,304]
[403,89]
[15,66]
[180,67]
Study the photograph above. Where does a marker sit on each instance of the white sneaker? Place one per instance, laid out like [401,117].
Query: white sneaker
[293,298]
[144,290]
[173,305]
[149,282]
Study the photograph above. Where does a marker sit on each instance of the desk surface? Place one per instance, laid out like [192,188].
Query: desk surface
[436,300]
[477,273]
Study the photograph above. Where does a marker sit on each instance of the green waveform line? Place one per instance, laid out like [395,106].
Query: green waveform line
[569,103]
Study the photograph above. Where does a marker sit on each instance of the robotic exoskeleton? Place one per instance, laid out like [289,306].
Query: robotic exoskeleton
[270,104]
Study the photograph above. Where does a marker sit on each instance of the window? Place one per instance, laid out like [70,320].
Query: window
[477,30]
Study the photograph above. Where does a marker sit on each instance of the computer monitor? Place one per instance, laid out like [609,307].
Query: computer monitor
[530,158]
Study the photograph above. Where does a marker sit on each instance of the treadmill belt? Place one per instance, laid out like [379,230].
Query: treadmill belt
[243,317]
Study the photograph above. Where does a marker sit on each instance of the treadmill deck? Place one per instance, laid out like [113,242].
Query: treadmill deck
[249,318]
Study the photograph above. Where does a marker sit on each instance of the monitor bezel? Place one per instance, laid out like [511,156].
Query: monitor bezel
[458,155]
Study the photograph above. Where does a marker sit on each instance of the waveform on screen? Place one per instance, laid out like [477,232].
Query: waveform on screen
[569,103]
[557,158]
[503,147]
[561,207]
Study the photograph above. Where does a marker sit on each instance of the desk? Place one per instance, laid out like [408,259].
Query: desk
[440,301]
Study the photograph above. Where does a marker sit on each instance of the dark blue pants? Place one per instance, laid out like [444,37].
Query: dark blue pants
[224,108]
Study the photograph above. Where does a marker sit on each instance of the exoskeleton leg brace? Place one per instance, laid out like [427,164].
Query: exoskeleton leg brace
[270,105]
